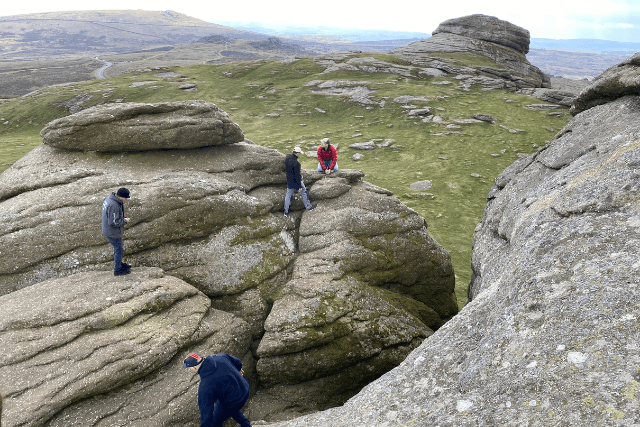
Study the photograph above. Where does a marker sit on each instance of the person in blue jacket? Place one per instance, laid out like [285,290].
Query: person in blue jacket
[294,181]
[223,391]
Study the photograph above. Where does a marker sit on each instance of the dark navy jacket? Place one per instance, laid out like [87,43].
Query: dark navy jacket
[294,177]
[221,381]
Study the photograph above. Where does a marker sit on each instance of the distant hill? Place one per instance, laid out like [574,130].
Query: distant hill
[331,34]
[87,33]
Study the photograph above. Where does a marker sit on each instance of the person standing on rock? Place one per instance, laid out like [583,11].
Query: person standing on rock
[113,222]
[327,157]
[223,391]
[294,181]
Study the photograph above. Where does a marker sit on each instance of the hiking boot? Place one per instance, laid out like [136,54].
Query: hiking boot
[286,214]
[121,272]
[125,266]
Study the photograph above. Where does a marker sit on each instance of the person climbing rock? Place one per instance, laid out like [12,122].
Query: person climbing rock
[223,391]
[113,222]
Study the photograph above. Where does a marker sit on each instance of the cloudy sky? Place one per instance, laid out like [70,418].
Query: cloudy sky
[617,20]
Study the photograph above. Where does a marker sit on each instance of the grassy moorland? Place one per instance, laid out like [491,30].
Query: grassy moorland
[461,163]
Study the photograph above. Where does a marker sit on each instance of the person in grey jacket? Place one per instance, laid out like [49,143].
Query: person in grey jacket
[113,222]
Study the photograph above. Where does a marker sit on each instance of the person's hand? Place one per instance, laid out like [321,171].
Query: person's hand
[327,171]
[126,220]
[298,190]
[242,372]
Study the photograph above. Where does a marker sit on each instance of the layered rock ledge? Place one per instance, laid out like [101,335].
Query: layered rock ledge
[142,127]
[620,80]
[66,341]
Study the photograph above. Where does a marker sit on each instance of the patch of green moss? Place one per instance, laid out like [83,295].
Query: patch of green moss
[629,392]
[615,414]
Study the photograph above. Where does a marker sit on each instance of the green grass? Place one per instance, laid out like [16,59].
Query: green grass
[459,198]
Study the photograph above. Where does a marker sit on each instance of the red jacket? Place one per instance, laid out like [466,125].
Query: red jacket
[330,154]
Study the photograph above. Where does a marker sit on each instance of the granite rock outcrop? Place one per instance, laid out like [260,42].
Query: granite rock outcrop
[489,29]
[550,334]
[484,36]
[326,300]
[620,80]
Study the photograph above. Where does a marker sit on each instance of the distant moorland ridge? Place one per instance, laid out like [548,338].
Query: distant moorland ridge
[41,35]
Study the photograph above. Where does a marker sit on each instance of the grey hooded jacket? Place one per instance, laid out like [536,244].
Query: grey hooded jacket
[112,216]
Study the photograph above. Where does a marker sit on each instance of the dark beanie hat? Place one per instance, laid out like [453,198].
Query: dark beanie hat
[123,192]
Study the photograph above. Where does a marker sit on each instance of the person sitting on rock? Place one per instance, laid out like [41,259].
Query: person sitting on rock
[113,222]
[327,157]
[223,391]
[294,181]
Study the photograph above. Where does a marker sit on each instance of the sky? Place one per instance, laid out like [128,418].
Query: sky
[617,20]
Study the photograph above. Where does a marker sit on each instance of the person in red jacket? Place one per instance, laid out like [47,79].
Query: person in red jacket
[327,157]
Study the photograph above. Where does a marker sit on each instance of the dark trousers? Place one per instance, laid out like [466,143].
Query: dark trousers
[221,414]
[118,251]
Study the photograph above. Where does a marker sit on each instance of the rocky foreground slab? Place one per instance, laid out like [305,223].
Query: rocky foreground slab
[65,340]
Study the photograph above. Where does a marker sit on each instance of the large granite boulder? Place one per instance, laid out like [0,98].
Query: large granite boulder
[553,96]
[68,341]
[502,42]
[351,290]
[140,127]
[550,335]
[212,216]
[620,80]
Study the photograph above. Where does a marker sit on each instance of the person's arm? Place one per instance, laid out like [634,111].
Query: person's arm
[320,160]
[334,157]
[115,217]
[298,176]
[234,361]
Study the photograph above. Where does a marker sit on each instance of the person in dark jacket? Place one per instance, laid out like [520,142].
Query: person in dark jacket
[113,222]
[327,157]
[223,391]
[294,181]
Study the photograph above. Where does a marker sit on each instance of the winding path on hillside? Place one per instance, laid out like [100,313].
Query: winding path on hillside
[100,72]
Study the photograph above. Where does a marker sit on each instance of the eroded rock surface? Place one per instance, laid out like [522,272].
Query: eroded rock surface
[71,339]
[142,127]
[489,29]
[362,278]
[550,336]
